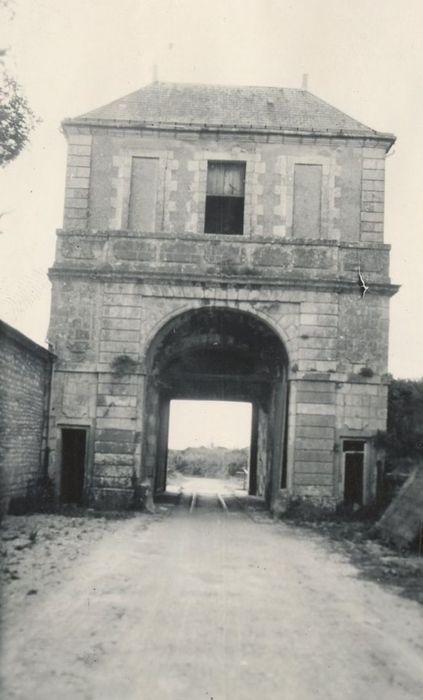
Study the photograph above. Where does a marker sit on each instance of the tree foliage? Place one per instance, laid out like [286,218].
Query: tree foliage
[210,462]
[404,436]
[17,119]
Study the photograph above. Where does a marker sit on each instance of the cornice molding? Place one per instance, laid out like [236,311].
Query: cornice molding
[340,286]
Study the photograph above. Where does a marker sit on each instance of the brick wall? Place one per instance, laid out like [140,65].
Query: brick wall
[25,375]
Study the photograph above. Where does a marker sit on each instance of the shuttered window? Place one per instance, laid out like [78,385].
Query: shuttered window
[143,194]
[307,200]
[225,197]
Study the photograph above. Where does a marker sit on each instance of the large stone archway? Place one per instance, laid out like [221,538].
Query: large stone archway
[222,354]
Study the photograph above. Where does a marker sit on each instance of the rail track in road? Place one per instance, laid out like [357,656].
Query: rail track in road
[209,502]
[223,504]
[213,500]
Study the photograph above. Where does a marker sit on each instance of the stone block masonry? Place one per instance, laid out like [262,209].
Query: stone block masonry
[147,307]
[25,370]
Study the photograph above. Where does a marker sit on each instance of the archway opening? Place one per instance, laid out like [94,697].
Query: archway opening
[219,354]
[209,445]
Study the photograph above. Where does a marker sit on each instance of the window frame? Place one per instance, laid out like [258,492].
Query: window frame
[132,203]
[329,226]
[121,186]
[228,202]
[363,441]
[296,232]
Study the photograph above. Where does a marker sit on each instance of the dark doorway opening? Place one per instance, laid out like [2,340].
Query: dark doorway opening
[353,471]
[74,443]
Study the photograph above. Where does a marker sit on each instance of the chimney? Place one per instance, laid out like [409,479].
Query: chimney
[304,84]
[155,73]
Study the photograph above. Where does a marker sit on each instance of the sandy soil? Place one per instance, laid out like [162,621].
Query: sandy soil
[197,603]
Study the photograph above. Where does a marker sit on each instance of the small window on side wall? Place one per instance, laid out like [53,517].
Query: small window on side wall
[225,197]
[307,201]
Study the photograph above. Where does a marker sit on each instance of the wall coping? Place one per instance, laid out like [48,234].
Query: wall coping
[26,342]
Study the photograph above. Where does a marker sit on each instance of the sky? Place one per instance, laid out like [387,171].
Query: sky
[206,423]
[365,57]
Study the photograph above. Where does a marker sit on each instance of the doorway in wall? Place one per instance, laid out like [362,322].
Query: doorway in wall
[353,451]
[74,446]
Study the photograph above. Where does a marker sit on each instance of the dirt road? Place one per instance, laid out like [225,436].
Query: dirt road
[212,604]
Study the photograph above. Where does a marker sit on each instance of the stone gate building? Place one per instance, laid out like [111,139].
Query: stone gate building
[212,243]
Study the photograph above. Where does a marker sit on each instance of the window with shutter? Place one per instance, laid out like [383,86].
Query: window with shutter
[225,197]
[143,194]
[307,200]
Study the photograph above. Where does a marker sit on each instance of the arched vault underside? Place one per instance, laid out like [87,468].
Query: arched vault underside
[219,354]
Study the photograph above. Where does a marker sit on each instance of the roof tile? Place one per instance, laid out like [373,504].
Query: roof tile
[215,105]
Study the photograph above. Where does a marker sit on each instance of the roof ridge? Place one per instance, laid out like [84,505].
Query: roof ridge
[222,85]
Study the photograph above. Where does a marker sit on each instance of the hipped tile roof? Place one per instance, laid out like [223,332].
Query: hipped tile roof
[184,104]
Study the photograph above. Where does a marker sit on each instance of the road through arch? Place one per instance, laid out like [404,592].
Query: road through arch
[223,354]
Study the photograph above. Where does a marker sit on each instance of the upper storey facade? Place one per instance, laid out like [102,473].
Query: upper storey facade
[192,162]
